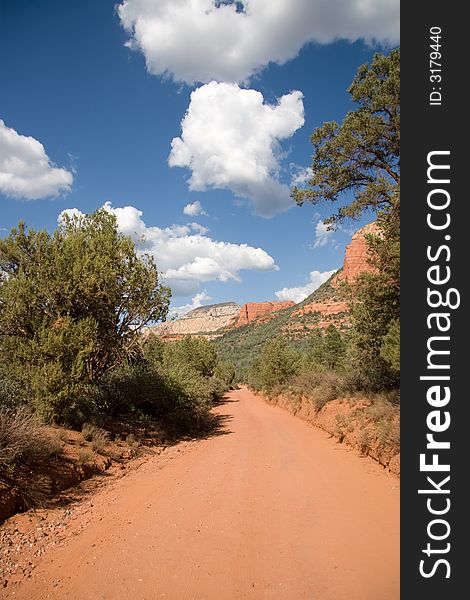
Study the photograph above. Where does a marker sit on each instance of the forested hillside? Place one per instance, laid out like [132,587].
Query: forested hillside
[240,345]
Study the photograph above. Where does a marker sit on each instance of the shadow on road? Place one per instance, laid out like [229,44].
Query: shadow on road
[217,424]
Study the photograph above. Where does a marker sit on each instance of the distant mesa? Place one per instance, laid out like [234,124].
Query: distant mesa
[324,307]
[213,320]
[201,320]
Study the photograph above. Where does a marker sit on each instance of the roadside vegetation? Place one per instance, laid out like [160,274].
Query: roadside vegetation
[321,383]
[240,345]
[73,305]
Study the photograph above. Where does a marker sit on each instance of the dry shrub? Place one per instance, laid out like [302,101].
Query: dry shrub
[98,437]
[364,441]
[87,431]
[383,414]
[63,435]
[389,435]
[24,444]
[133,444]
[130,439]
[320,387]
[23,439]
[55,446]
[85,456]
[344,425]
[35,491]
[100,440]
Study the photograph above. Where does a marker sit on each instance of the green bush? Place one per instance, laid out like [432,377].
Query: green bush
[320,386]
[276,365]
[196,354]
[11,394]
[390,349]
[173,391]
[325,350]
[71,307]
[223,378]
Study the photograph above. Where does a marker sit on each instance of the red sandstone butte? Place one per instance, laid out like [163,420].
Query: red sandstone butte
[355,262]
[355,258]
[253,310]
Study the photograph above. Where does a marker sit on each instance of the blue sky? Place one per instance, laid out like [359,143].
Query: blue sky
[89,120]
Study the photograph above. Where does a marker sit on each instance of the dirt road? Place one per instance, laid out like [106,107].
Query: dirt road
[269,509]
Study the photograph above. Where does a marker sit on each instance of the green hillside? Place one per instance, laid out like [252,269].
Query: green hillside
[241,345]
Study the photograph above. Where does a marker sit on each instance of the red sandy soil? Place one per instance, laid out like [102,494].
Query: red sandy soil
[270,508]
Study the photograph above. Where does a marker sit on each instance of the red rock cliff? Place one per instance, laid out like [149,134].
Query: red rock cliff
[356,257]
[254,310]
[334,310]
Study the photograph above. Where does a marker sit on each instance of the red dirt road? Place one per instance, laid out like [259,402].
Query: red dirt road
[270,509]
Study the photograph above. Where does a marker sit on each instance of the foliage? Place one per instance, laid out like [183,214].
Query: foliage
[375,309]
[11,393]
[173,382]
[277,363]
[97,436]
[362,154]
[193,353]
[224,374]
[99,440]
[325,351]
[71,307]
[85,456]
[390,349]
[152,349]
[320,387]
[240,345]
[316,370]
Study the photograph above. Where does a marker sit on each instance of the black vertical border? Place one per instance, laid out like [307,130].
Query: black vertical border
[428,128]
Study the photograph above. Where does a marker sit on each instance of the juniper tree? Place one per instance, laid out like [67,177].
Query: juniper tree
[72,304]
[357,165]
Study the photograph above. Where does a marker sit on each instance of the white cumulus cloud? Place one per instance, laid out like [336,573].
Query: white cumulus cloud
[194,209]
[69,213]
[297,294]
[198,300]
[323,235]
[185,256]
[200,40]
[25,169]
[231,139]
[198,228]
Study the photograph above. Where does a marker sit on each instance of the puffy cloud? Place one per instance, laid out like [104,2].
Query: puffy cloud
[194,209]
[297,294]
[200,40]
[25,169]
[230,139]
[198,228]
[198,300]
[70,213]
[184,255]
[323,235]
